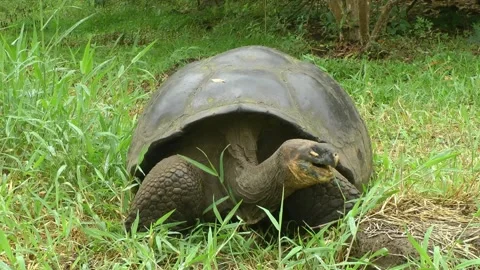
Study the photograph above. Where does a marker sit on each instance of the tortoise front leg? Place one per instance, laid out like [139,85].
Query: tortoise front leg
[171,184]
[321,203]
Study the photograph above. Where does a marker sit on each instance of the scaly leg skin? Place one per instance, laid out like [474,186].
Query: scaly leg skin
[321,203]
[171,184]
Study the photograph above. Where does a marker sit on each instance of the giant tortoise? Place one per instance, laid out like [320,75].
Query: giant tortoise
[289,130]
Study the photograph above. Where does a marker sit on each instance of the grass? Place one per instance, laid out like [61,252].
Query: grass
[70,97]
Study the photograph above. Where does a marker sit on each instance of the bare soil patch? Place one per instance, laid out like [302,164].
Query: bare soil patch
[455,229]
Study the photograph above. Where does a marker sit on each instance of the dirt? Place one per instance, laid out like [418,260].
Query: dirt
[455,230]
[399,249]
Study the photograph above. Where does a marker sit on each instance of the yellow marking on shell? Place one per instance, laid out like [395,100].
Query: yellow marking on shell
[210,99]
[216,80]
[313,153]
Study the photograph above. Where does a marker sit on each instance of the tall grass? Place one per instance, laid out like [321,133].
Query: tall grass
[67,113]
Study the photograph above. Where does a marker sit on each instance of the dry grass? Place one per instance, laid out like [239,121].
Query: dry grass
[428,155]
[66,128]
[454,225]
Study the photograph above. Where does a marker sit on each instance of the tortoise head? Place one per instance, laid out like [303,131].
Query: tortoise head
[309,162]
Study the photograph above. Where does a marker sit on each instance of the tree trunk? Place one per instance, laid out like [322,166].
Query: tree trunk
[336,7]
[352,30]
[382,21]
[353,18]
[364,20]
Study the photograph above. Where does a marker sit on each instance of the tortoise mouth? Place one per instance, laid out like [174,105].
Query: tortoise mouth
[325,172]
[322,166]
[308,174]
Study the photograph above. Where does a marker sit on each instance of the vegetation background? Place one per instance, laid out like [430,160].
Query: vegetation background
[76,74]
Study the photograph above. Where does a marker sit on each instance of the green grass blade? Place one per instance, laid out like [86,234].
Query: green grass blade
[294,251]
[222,173]
[209,162]
[271,218]
[217,214]
[5,246]
[426,238]
[424,257]
[67,32]
[86,64]
[231,214]
[468,264]
[163,218]
[4,266]
[142,52]
[439,158]
[200,165]
[217,202]
[352,225]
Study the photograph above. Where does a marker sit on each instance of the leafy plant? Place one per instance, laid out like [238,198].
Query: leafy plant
[475,34]
[422,27]
[68,108]
[399,24]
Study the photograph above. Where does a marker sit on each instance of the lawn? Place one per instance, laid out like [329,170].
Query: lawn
[74,80]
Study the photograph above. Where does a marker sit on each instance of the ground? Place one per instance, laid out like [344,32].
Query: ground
[448,224]
[75,79]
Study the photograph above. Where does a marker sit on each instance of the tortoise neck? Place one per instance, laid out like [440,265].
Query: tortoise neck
[253,183]
[260,185]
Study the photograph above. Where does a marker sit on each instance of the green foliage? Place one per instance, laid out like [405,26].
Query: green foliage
[422,27]
[98,3]
[74,79]
[475,36]
[399,23]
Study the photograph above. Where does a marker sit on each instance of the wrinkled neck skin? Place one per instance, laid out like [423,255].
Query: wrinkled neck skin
[260,185]
[252,183]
